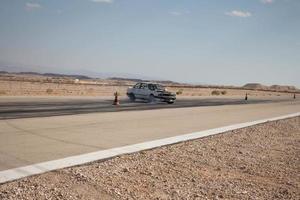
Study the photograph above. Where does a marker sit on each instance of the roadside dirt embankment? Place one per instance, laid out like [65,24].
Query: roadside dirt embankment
[258,162]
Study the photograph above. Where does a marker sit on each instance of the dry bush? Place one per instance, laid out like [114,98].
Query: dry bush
[224,92]
[215,92]
[179,92]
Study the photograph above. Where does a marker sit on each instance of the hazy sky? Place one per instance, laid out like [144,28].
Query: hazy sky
[205,41]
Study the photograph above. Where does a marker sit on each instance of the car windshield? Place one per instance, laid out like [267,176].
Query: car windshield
[156,87]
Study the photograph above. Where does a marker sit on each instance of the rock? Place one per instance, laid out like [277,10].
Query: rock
[125,170]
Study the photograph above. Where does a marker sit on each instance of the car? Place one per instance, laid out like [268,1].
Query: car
[151,92]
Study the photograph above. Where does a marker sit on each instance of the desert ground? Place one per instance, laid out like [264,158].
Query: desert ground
[24,88]
[37,85]
[46,118]
[258,162]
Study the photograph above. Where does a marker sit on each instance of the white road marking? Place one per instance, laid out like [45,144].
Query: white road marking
[21,172]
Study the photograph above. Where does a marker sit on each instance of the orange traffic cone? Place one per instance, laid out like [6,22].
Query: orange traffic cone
[116,101]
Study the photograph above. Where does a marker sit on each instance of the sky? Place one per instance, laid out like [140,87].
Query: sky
[228,42]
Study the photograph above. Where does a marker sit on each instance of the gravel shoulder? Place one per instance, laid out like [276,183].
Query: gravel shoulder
[258,162]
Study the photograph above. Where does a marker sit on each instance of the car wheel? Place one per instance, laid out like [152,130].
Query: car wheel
[132,97]
[151,98]
[170,102]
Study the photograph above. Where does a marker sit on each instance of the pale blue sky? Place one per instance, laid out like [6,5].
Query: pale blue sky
[228,42]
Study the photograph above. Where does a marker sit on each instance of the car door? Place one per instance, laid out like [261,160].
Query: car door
[151,89]
[146,91]
[142,93]
[136,90]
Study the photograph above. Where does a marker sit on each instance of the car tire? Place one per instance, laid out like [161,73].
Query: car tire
[170,102]
[132,97]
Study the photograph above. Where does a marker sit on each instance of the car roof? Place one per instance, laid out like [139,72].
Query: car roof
[149,83]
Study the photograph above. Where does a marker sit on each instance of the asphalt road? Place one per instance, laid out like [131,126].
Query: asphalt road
[22,107]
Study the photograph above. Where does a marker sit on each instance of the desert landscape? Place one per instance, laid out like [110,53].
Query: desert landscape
[34,84]
[149,100]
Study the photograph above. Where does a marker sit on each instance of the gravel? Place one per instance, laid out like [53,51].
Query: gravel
[258,162]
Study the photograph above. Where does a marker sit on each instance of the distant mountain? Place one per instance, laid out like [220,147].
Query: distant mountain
[48,74]
[283,87]
[255,86]
[258,86]
[10,67]
[140,80]
[66,75]
[19,68]
[89,74]
[107,75]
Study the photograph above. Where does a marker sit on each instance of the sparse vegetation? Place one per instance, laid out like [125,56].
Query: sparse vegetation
[215,92]
[179,92]
[224,92]
[36,84]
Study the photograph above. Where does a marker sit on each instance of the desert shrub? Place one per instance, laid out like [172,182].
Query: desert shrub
[49,91]
[179,92]
[223,92]
[215,92]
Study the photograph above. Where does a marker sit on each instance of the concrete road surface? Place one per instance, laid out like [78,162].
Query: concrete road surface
[32,140]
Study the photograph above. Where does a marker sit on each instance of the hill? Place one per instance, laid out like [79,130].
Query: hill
[280,88]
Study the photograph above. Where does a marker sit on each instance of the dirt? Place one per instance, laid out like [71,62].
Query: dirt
[36,85]
[31,88]
[258,162]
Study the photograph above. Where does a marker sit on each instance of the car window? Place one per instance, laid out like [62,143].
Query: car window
[138,85]
[143,85]
[151,87]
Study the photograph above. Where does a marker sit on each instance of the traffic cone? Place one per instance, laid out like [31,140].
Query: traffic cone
[246,97]
[116,101]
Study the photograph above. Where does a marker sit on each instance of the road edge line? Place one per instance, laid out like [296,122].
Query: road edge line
[25,171]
